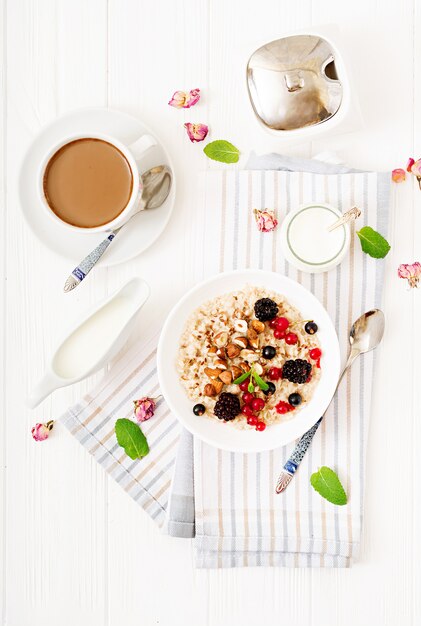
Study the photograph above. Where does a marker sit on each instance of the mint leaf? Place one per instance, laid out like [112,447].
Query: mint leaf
[130,437]
[242,378]
[373,243]
[326,482]
[264,386]
[221,150]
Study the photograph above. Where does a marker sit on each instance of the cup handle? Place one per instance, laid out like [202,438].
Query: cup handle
[141,145]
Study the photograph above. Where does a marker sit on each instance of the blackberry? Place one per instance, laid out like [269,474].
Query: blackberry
[296,371]
[227,407]
[265,309]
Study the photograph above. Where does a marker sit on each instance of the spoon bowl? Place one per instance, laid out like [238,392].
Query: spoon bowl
[367,331]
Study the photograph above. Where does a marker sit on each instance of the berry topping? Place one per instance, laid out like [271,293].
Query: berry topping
[275,373]
[248,397]
[260,426]
[311,328]
[247,410]
[279,334]
[282,323]
[272,323]
[271,389]
[296,371]
[258,404]
[283,407]
[268,352]
[244,385]
[252,420]
[199,409]
[227,407]
[291,339]
[315,354]
[265,309]
[295,399]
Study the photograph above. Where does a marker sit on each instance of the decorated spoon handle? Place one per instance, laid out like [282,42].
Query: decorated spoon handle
[296,457]
[88,263]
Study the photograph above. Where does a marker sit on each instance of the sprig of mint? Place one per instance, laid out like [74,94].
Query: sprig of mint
[221,150]
[326,482]
[373,243]
[253,375]
[130,437]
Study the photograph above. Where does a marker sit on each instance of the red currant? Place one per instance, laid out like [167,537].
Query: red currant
[247,410]
[315,354]
[244,385]
[260,426]
[291,339]
[279,334]
[283,407]
[248,397]
[272,323]
[274,373]
[282,323]
[258,404]
[252,420]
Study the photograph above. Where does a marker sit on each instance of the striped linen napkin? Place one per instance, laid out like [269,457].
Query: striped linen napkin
[231,505]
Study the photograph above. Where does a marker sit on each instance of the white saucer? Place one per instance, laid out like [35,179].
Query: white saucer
[144,228]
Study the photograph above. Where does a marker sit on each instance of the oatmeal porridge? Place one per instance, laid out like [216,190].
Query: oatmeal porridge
[249,358]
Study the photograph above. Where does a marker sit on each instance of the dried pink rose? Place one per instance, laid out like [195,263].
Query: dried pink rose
[265,220]
[40,432]
[144,409]
[410,163]
[411,272]
[196,132]
[184,99]
[416,170]
[398,175]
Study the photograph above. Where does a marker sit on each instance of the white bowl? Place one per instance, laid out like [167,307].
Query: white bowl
[224,435]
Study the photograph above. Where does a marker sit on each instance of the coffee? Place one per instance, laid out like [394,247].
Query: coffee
[88,182]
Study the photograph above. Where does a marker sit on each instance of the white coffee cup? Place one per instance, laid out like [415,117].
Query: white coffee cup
[132,153]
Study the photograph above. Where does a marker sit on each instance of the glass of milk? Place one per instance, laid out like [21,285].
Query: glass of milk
[306,241]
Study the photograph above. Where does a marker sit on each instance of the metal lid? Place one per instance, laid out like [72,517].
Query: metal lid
[293,82]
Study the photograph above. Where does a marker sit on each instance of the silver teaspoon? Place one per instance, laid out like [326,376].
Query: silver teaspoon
[365,335]
[156,187]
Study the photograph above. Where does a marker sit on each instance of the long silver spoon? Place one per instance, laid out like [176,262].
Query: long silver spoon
[365,335]
[156,187]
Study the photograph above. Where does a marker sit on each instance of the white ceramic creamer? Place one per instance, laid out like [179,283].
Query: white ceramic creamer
[94,341]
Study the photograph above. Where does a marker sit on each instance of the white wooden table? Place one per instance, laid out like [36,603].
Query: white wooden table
[75,548]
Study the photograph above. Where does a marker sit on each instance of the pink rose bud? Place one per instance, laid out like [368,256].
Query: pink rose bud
[265,220]
[196,132]
[410,272]
[398,176]
[184,100]
[40,432]
[416,170]
[144,409]
[410,163]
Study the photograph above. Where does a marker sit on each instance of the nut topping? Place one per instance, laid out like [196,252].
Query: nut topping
[240,326]
[241,341]
[220,340]
[221,353]
[232,350]
[258,369]
[218,384]
[213,350]
[249,356]
[209,390]
[236,372]
[253,338]
[245,367]
[258,326]
[226,377]
[222,365]
[212,372]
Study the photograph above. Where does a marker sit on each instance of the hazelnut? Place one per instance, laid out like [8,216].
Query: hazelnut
[240,326]
[212,372]
[232,350]
[222,365]
[218,385]
[209,390]
[236,372]
[220,340]
[241,341]
[258,326]
[226,377]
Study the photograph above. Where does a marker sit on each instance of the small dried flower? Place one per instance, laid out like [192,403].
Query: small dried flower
[40,432]
[398,175]
[144,409]
[410,163]
[412,273]
[265,220]
[196,132]
[184,99]
[416,170]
